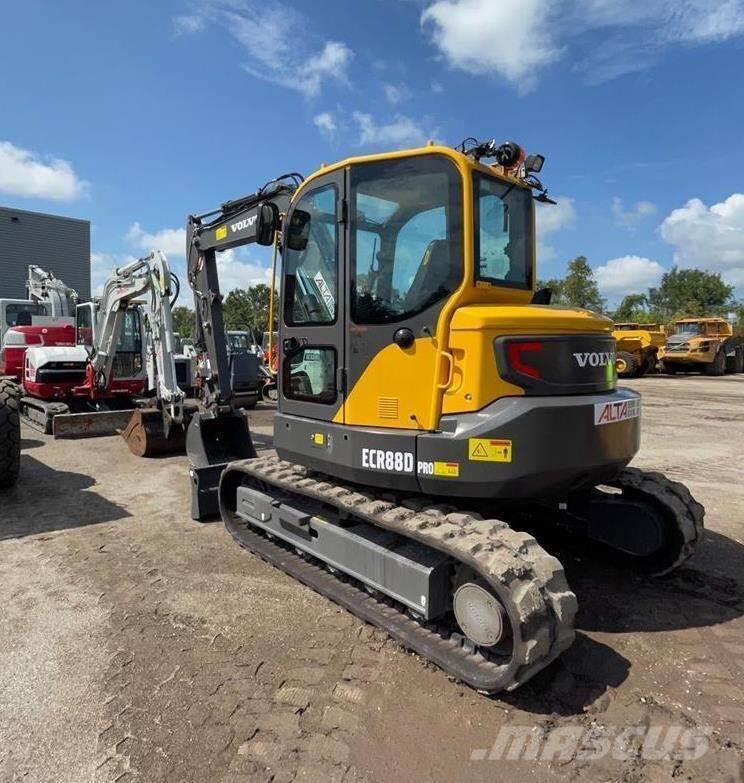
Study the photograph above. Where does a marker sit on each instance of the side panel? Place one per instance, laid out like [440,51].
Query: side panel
[368,456]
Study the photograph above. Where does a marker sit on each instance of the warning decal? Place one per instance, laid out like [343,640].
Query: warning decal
[220,233]
[489,450]
[447,469]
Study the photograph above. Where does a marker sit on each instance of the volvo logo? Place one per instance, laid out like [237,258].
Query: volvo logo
[595,358]
[241,224]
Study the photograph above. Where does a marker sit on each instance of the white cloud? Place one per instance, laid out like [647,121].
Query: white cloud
[172,241]
[25,174]
[709,238]
[551,218]
[511,38]
[436,87]
[554,217]
[516,39]
[630,218]
[183,25]
[275,37]
[401,131]
[628,275]
[396,93]
[236,273]
[326,124]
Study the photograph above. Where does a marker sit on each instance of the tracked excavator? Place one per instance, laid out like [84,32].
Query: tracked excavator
[431,409]
[90,388]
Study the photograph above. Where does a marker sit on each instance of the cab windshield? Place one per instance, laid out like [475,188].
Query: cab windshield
[503,232]
[689,328]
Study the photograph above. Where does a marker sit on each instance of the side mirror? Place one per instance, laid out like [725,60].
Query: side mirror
[267,224]
[298,230]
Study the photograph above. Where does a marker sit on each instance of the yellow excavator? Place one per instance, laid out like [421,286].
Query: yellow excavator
[431,409]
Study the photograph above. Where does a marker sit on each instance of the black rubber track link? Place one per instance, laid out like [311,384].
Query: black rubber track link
[530,583]
[10,434]
[684,515]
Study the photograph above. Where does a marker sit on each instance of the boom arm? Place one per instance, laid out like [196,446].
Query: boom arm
[43,286]
[251,219]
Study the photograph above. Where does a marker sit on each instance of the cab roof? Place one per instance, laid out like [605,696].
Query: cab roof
[710,320]
[464,162]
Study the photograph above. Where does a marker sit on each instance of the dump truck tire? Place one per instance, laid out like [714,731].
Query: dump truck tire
[627,366]
[739,360]
[10,435]
[669,368]
[718,365]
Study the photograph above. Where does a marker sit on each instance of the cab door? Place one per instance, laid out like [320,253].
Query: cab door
[405,261]
[311,329]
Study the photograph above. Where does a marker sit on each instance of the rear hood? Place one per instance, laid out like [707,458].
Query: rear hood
[40,355]
[529,319]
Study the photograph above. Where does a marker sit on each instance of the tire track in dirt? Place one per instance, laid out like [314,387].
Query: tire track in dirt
[182,702]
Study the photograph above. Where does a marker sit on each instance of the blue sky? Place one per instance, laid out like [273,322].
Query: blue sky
[134,114]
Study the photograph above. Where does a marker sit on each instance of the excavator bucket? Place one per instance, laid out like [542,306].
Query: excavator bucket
[146,437]
[212,442]
[93,424]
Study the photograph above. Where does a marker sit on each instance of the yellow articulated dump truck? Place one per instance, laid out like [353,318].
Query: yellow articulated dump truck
[706,345]
[638,347]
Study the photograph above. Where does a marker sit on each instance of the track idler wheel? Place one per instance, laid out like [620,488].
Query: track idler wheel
[480,614]
[145,435]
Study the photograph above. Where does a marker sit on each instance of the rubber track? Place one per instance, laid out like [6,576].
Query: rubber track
[530,582]
[676,500]
[10,435]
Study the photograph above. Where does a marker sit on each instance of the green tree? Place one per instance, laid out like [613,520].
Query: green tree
[248,308]
[580,288]
[634,307]
[183,321]
[691,292]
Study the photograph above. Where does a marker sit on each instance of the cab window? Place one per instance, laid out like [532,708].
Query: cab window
[22,314]
[406,237]
[503,232]
[311,259]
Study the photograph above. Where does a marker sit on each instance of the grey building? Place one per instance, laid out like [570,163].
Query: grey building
[57,244]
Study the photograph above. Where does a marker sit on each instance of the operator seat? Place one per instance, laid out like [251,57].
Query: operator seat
[435,275]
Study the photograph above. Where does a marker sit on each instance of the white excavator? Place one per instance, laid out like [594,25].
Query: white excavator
[121,353]
[45,317]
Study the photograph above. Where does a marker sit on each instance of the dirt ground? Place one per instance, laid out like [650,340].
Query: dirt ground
[139,645]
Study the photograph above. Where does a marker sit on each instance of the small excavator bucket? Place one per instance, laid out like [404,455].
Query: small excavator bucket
[92,424]
[146,437]
[211,443]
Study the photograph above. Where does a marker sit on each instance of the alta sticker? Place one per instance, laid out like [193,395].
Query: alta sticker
[611,412]
[489,450]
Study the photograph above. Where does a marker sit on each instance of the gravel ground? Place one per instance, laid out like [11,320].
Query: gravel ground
[138,645]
